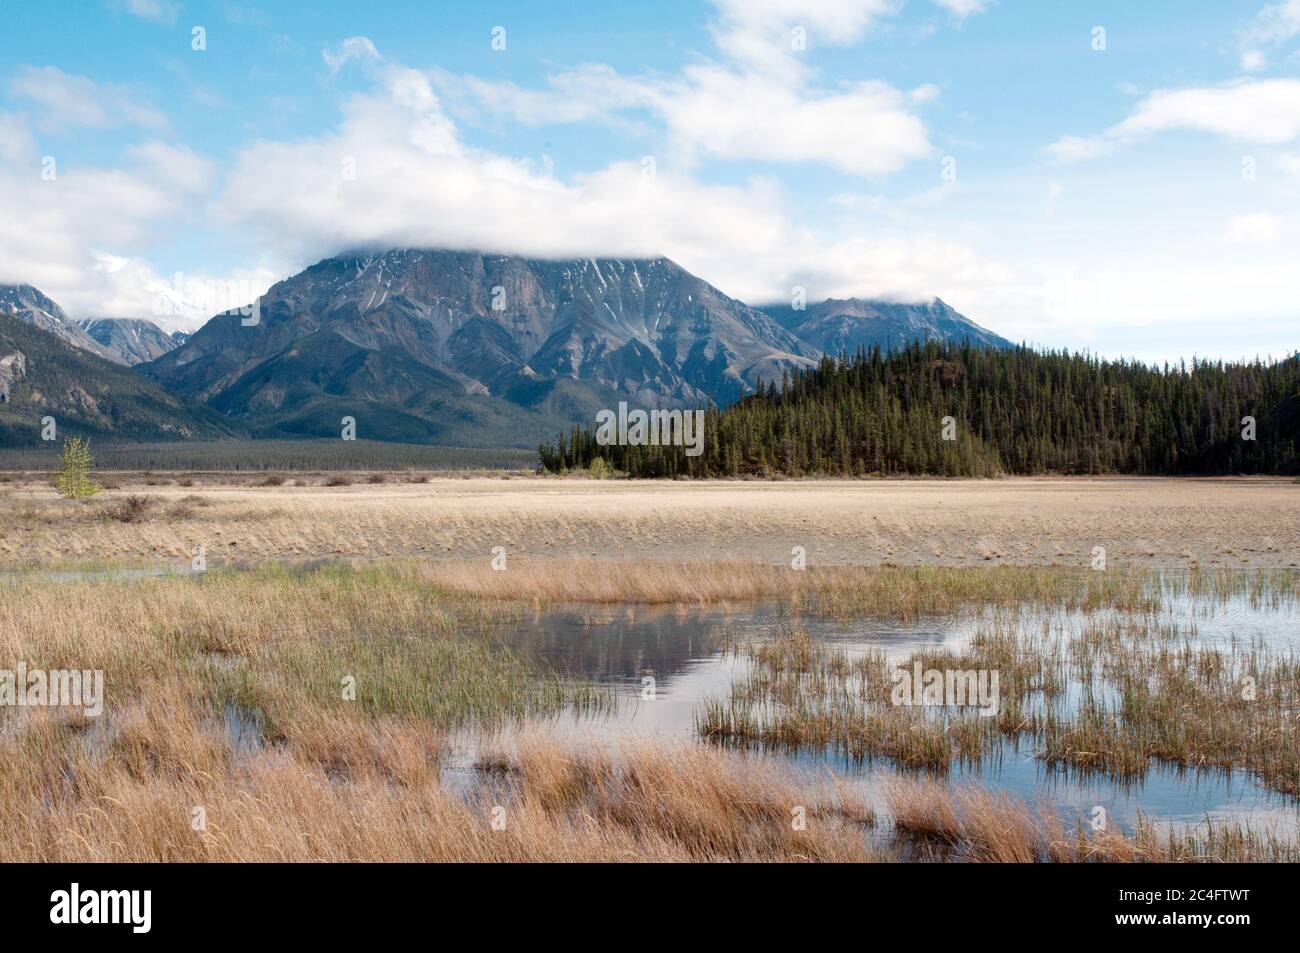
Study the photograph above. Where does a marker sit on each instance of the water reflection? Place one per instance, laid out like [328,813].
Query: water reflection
[684,650]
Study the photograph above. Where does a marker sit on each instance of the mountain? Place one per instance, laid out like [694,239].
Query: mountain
[32,306]
[131,341]
[43,375]
[442,345]
[838,327]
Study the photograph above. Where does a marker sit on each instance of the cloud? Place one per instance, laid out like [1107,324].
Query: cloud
[592,92]
[62,234]
[864,129]
[1255,111]
[1270,28]
[157,11]
[759,33]
[760,101]
[176,165]
[66,102]
[1254,229]
[396,172]
[1077,148]
[353,48]
[129,287]
[1252,61]
[17,144]
[961,9]
[1289,163]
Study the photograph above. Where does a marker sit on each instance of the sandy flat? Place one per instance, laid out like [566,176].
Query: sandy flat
[1167,522]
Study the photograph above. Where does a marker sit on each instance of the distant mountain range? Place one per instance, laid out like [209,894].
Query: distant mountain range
[132,341]
[842,327]
[42,375]
[466,349]
[30,305]
[467,341]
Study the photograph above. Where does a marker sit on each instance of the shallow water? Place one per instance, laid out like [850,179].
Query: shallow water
[683,650]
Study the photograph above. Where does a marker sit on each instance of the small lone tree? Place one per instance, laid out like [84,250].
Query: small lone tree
[74,470]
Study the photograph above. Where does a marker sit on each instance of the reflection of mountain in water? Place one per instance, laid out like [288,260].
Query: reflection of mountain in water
[621,644]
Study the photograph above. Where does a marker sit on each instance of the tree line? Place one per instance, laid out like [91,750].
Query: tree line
[956,410]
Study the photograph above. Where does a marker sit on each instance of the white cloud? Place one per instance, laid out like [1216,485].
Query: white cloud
[17,144]
[1077,148]
[1266,111]
[1271,27]
[129,287]
[1252,61]
[1254,228]
[590,92]
[418,184]
[353,48]
[864,129]
[961,9]
[1289,163]
[65,101]
[158,11]
[758,34]
[1256,111]
[64,235]
[761,101]
[174,164]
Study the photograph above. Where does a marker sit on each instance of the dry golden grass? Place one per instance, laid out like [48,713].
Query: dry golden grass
[1161,522]
[274,640]
[321,778]
[975,824]
[349,789]
[901,592]
[353,789]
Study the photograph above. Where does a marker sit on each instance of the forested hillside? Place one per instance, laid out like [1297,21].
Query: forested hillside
[1014,411]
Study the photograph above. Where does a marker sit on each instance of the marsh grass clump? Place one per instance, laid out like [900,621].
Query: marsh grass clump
[276,637]
[938,821]
[445,682]
[798,693]
[130,509]
[837,591]
[713,804]
[1113,693]
[1193,707]
[346,787]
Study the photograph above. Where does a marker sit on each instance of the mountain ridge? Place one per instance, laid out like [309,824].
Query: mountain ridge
[534,333]
[842,326]
[465,348]
[34,307]
[130,340]
[43,375]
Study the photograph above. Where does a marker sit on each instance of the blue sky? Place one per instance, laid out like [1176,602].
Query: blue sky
[1134,197]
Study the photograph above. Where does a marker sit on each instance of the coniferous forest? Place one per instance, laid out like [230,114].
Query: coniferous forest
[1013,411]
